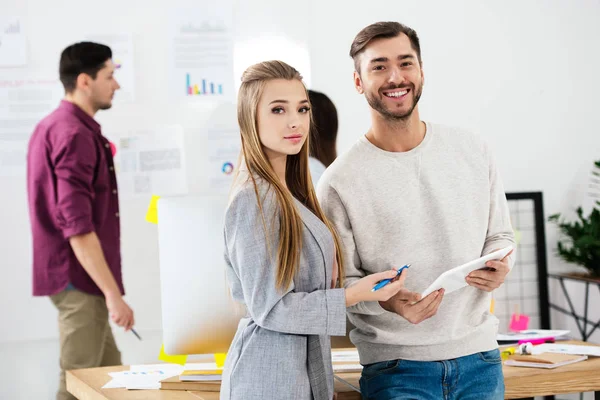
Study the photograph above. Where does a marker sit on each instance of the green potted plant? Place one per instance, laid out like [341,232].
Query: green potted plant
[581,238]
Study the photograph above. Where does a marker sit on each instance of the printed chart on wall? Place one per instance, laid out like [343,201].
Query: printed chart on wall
[223,153]
[13,42]
[223,147]
[150,161]
[201,51]
[23,102]
[122,50]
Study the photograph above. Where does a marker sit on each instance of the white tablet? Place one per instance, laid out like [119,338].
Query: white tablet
[454,278]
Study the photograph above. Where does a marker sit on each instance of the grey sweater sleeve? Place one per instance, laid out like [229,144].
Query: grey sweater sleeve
[253,257]
[336,213]
[500,232]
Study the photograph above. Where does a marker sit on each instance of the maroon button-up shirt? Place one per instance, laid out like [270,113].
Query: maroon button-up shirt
[72,190]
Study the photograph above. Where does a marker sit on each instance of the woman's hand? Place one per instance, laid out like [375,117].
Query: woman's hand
[362,290]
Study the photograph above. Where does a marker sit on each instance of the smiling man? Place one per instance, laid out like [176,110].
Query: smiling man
[421,193]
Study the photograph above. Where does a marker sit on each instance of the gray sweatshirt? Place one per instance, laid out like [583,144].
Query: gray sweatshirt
[435,207]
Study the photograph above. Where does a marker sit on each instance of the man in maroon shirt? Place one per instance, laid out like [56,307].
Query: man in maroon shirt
[74,213]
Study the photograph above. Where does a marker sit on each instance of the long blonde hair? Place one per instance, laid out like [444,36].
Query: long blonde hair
[297,174]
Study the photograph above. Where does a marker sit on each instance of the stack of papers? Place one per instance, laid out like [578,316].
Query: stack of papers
[198,375]
[140,377]
[345,361]
[532,334]
[574,349]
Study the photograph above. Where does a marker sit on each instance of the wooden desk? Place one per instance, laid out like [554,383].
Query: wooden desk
[87,384]
[523,382]
[520,383]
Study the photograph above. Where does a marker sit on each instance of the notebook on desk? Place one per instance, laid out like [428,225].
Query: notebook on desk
[175,383]
[543,360]
[208,375]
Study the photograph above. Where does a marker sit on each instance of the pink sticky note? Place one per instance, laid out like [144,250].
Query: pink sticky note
[519,322]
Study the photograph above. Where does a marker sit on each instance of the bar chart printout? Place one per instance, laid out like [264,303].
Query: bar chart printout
[201,51]
[202,87]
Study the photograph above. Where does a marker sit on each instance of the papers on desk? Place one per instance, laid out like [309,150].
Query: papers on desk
[349,356]
[532,334]
[113,384]
[137,380]
[345,361]
[573,349]
[339,368]
[201,375]
[140,377]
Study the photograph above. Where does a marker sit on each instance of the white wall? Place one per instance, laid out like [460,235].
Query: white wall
[51,28]
[522,73]
[28,330]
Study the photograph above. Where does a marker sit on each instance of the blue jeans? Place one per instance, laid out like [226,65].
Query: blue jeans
[475,377]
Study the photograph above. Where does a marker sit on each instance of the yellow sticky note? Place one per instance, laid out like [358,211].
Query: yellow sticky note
[518,236]
[175,359]
[220,359]
[152,214]
[492,305]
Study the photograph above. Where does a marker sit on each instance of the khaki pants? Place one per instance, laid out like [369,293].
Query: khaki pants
[86,338]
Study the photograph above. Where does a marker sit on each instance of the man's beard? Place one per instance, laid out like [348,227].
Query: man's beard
[101,104]
[377,104]
[104,106]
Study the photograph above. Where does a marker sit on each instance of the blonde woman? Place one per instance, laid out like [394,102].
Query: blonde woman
[284,257]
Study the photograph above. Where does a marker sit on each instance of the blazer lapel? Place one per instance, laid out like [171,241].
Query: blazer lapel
[322,236]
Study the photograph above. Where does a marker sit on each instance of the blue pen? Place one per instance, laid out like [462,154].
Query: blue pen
[135,333]
[386,281]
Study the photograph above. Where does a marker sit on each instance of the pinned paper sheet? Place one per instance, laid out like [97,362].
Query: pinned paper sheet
[220,359]
[152,214]
[175,359]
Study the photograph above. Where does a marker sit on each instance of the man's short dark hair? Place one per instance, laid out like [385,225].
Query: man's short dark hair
[382,30]
[82,58]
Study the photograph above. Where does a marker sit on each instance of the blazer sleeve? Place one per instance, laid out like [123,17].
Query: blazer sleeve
[252,255]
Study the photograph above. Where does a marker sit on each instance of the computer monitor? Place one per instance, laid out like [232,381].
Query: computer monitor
[199,315]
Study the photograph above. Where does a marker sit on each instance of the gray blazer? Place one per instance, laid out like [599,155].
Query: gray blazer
[282,347]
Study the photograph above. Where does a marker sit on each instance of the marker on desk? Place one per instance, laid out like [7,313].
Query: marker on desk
[507,352]
[549,339]
[386,281]
[135,333]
